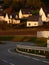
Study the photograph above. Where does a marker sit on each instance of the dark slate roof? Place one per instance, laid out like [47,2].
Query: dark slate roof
[26,11]
[46,10]
[2,14]
[33,18]
[12,14]
[16,18]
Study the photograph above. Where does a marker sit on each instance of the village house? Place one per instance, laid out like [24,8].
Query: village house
[13,19]
[34,21]
[44,13]
[24,13]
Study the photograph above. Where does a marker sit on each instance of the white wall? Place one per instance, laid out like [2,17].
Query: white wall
[16,21]
[44,34]
[32,23]
[20,14]
[7,18]
[27,15]
[42,14]
[1,17]
[13,21]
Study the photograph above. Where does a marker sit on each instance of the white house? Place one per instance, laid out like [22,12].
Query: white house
[7,18]
[15,21]
[24,13]
[44,13]
[34,21]
[20,14]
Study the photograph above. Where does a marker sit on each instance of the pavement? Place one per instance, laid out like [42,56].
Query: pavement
[8,57]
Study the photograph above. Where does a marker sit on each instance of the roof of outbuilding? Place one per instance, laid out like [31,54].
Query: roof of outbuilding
[46,10]
[13,15]
[33,18]
[26,11]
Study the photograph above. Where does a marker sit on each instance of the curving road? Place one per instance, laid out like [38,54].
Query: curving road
[9,57]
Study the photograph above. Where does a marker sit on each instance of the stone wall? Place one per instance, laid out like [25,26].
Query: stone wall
[44,34]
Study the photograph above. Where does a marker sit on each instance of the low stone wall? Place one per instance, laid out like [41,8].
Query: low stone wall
[33,50]
[44,34]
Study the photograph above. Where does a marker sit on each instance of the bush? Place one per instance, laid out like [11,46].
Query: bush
[47,54]
[35,13]
[38,41]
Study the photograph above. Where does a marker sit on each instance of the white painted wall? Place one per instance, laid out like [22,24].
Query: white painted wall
[47,19]
[20,14]
[7,18]
[13,21]
[1,17]
[42,14]
[32,23]
[16,21]
[23,15]
[27,15]
[44,34]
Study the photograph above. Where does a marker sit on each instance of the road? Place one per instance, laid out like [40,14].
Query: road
[8,57]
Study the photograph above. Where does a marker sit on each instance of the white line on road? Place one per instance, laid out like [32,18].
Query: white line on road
[11,63]
[36,59]
[27,56]
[45,62]
[40,60]
[9,50]
[4,61]
[7,62]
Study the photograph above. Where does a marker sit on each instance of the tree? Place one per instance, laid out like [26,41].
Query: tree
[37,3]
[7,3]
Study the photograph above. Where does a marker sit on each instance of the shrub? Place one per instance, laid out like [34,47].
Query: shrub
[47,54]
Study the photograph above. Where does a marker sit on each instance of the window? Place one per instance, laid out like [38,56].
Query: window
[29,24]
[35,24]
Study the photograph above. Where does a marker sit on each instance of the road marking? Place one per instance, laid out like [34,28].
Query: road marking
[9,51]
[4,61]
[19,54]
[45,62]
[36,59]
[7,62]
[11,63]
[27,56]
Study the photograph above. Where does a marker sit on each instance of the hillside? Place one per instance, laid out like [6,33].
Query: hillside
[17,4]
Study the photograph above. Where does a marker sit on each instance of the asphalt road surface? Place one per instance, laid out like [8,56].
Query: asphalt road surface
[8,57]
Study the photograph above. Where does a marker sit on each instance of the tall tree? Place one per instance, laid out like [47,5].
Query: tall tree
[37,3]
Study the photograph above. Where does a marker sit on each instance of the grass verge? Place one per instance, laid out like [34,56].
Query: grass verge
[38,41]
